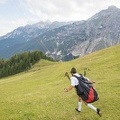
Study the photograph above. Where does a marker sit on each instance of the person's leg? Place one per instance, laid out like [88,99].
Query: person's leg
[97,110]
[79,104]
[92,107]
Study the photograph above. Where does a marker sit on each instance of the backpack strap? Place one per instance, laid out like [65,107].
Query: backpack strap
[82,79]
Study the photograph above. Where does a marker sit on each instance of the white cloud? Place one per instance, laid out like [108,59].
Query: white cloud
[57,9]
[9,25]
[2,1]
[31,11]
[66,10]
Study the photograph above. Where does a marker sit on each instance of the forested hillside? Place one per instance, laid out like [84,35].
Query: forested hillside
[20,62]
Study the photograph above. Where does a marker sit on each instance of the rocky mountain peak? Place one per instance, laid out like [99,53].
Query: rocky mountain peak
[112,7]
[106,13]
[61,39]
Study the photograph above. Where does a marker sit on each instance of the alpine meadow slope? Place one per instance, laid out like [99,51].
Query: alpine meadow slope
[38,94]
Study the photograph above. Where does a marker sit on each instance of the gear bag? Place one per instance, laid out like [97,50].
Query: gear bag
[85,90]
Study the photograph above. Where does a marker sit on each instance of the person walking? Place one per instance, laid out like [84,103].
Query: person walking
[75,82]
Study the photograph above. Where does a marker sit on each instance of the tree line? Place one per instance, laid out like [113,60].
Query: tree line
[20,62]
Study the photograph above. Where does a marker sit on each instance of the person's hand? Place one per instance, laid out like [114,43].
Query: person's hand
[65,90]
[93,81]
[66,74]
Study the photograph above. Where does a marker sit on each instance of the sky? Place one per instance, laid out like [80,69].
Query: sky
[16,13]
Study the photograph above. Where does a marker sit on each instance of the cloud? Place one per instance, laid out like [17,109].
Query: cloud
[2,1]
[9,25]
[57,9]
[21,12]
[66,10]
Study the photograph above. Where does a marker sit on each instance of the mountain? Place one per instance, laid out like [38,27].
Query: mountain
[102,30]
[14,41]
[65,40]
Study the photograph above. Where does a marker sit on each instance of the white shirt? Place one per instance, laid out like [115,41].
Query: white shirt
[74,80]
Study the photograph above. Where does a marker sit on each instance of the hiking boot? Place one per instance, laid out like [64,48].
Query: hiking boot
[98,112]
[77,110]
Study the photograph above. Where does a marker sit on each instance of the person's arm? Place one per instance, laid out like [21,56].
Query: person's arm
[69,88]
[89,80]
[67,75]
[92,81]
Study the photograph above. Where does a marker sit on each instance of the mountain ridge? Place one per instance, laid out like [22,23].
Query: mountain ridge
[68,39]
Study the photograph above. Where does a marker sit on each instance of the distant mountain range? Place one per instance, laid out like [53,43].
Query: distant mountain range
[65,40]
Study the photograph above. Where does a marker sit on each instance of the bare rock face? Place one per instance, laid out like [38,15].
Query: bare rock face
[102,31]
[65,41]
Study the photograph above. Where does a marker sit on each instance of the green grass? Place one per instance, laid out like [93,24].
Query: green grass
[38,94]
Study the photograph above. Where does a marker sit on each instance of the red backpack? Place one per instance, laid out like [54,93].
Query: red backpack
[85,90]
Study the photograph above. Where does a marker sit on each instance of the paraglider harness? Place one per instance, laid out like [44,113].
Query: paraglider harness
[85,90]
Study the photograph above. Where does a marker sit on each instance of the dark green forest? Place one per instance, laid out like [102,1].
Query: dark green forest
[20,62]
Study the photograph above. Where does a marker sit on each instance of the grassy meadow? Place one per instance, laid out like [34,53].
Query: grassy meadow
[38,94]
